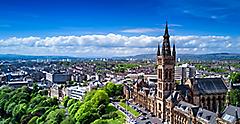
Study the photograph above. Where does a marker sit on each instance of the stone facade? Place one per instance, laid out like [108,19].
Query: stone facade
[196,101]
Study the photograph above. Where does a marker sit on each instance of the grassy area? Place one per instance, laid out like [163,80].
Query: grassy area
[130,109]
[119,120]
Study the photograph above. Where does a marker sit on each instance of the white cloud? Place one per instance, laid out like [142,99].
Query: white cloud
[112,45]
[141,30]
[213,17]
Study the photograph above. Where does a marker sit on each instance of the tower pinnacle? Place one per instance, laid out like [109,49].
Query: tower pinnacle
[158,50]
[166,50]
[166,34]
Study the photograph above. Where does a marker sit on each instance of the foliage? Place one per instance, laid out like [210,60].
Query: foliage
[209,69]
[70,102]
[56,116]
[33,106]
[117,116]
[24,105]
[114,89]
[68,120]
[130,109]
[235,77]
[234,97]
[124,67]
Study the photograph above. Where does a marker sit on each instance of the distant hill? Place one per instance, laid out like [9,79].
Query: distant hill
[189,57]
[183,57]
[30,57]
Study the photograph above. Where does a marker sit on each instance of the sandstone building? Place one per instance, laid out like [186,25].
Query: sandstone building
[196,101]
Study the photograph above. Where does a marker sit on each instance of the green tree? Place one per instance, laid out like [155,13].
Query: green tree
[74,108]
[19,110]
[68,120]
[33,120]
[235,77]
[70,102]
[110,88]
[65,101]
[100,97]
[234,97]
[56,116]
[100,121]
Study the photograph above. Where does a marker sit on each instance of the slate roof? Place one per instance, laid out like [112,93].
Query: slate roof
[207,116]
[230,113]
[202,114]
[184,106]
[174,96]
[184,90]
[210,85]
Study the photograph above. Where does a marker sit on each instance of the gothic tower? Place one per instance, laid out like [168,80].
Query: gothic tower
[165,71]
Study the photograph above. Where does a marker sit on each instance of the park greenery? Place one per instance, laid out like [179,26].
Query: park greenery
[33,106]
[130,109]
[209,69]
[235,77]
[234,98]
[125,66]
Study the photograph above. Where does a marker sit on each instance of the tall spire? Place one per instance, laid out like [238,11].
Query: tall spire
[166,50]
[166,30]
[158,50]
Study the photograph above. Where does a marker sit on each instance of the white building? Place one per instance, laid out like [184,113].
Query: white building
[77,92]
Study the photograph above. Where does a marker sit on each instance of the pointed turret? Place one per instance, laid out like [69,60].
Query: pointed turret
[166,51]
[158,50]
[174,50]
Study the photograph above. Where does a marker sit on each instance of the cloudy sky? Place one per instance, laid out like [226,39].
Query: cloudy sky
[104,28]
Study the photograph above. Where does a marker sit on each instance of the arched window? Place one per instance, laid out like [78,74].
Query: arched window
[166,74]
[160,74]
[170,74]
[208,103]
[170,86]
[214,104]
[203,102]
[159,106]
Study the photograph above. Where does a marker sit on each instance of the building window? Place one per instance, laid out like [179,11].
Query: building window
[166,74]
[160,86]
[160,74]
[170,75]
[159,106]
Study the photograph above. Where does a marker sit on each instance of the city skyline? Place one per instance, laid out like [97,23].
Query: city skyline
[120,28]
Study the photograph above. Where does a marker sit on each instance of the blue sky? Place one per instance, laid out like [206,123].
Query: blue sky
[194,24]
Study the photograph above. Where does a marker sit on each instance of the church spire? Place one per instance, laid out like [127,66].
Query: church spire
[158,50]
[166,50]
[166,34]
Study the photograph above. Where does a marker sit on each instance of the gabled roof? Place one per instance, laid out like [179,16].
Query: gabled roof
[174,97]
[210,85]
[202,114]
[231,113]
[185,107]
[207,116]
